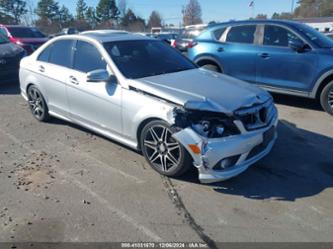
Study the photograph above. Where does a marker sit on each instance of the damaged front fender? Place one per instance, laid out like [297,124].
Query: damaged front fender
[188,138]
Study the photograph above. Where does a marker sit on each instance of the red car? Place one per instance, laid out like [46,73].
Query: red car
[26,37]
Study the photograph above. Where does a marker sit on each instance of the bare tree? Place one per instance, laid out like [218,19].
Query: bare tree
[314,8]
[122,6]
[192,13]
[13,8]
[30,17]
[81,8]
[155,19]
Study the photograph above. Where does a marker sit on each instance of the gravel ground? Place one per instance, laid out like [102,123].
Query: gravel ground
[59,182]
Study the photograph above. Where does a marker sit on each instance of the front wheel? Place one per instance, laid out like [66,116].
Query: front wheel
[326,98]
[162,151]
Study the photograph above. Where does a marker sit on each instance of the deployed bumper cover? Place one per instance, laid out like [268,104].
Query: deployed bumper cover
[224,158]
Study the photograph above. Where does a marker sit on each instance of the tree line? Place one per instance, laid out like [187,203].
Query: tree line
[52,17]
[305,9]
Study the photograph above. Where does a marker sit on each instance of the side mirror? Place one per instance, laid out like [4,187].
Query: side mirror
[296,45]
[100,75]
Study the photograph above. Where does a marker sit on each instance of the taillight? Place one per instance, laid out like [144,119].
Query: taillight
[192,44]
[173,43]
[16,41]
[12,39]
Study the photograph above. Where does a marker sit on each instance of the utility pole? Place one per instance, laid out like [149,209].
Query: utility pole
[292,6]
[183,15]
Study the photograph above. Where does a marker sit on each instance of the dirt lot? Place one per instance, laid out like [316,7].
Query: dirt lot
[59,182]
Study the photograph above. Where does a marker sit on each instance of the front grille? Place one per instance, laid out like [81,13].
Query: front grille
[257,116]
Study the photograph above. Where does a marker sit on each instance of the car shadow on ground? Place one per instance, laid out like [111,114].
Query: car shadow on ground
[10,89]
[300,102]
[300,165]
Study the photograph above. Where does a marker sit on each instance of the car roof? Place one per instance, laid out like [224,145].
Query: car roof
[112,35]
[271,21]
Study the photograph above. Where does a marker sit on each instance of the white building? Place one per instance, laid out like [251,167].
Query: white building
[323,24]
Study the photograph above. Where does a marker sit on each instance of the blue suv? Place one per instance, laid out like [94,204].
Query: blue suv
[281,56]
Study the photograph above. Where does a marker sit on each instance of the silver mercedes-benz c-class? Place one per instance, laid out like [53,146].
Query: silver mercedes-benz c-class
[144,94]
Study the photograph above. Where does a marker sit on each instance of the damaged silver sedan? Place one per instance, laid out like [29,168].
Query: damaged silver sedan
[146,95]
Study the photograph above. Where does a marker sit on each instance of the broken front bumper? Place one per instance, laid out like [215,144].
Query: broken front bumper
[223,158]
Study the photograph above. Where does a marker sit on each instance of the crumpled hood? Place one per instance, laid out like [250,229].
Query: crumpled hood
[200,89]
[9,50]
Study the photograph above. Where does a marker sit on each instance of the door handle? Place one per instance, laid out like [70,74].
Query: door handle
[73,80]
[41,69]
[265,55]
[220,49]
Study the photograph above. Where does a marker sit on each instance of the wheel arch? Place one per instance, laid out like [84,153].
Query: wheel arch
[207,59]
[24,91]
[322,81]
[29,85]
[39,87]
[141,126]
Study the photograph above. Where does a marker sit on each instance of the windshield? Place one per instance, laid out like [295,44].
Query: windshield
[22,32]
[315,36]
[144,58]
[3,39]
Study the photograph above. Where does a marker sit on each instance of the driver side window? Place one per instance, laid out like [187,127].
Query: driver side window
[278,36]
[87,58]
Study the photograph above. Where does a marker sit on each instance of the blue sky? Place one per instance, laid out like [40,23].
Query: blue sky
[218,10]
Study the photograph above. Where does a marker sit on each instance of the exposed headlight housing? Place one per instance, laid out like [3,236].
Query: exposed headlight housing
[207,124]
[215,128]
[207,129]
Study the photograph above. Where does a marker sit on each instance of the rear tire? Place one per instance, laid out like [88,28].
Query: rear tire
[37,104]
[212,67]
[163,153]
[326,98]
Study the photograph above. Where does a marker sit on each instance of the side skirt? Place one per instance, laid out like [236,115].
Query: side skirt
[284,91]
[108,135]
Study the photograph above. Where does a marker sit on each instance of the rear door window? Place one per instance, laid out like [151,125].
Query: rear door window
[87,58]
[241,34]
[61,53]
[218,33]
[45,55]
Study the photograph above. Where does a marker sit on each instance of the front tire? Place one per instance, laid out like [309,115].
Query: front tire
[37,104]
[163,153]
[326,98]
